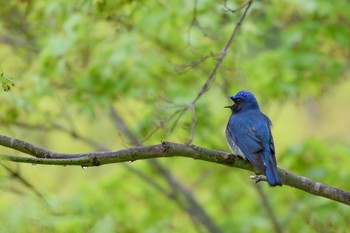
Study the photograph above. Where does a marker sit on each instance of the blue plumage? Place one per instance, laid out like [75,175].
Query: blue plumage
[248,134]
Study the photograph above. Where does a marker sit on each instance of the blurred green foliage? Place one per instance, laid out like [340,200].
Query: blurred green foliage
[6,82]
[72,60]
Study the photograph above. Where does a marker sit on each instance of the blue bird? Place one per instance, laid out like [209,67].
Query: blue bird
[248,134]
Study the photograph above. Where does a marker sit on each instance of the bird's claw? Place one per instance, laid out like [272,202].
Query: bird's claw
[258,178]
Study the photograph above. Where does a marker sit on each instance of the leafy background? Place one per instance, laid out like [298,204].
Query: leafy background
[73,60]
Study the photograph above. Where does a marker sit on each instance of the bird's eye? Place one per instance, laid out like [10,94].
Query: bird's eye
[238,100]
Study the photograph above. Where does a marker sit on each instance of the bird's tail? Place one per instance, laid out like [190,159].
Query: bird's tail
[271,172]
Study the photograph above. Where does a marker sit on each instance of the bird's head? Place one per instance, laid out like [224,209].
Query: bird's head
[243,100]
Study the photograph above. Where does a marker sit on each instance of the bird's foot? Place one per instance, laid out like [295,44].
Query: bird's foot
[258,178]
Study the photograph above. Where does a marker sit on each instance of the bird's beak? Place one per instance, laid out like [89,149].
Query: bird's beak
[230,106]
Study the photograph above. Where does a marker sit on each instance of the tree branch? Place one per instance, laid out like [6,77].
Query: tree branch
[163,150]
[25,182]
[179,193]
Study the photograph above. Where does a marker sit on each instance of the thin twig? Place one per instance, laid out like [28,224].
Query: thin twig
[211,76]
[205,87]
[25,182]
[184,68]
[234,10]
[194,22]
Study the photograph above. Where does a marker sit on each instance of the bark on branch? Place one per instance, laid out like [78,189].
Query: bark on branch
[163,150]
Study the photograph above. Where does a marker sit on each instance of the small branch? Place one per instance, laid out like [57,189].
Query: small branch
[184,68]
[164,150]
[205,87]
[194,22]
[30,149]
[314,187]
[223,53]
[20,178]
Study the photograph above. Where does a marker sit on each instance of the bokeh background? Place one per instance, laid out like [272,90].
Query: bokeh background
[83,69]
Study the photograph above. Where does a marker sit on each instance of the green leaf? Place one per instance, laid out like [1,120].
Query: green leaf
[6,82]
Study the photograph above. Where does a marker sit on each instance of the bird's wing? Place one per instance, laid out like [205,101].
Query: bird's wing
[272,145]
[249,138]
